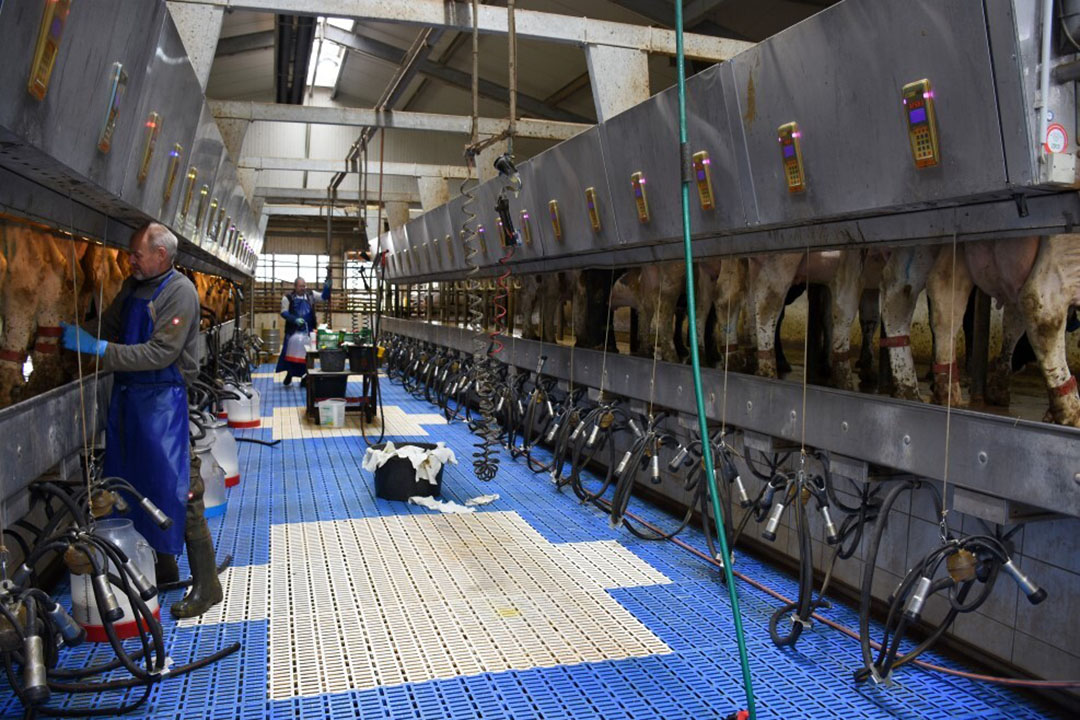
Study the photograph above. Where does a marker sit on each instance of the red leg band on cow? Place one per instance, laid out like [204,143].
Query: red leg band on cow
[47,348]
[49,331]
[943,369]
[1066,388]
[13,357]
[766,354]
[895,341]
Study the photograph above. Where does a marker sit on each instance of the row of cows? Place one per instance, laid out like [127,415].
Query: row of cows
[47,278]
[1036,280]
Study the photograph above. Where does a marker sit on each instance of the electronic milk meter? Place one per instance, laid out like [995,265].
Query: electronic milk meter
[171,173]
[641,200]
[921,123]
[791,152]
[556,224]
[118,80]
[50,32]
[703,178]
[593,208]
[526,231]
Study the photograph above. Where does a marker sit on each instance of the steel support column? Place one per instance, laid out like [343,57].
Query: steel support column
[619,76]
[199,27]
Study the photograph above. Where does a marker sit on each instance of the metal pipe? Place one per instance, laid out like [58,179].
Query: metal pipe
[1067,72]
[1044,69]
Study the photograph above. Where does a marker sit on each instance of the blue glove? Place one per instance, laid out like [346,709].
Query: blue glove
[300,322]
[75,338]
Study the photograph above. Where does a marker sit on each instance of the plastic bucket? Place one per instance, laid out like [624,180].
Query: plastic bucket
[332,360]
[396,478]
[121,533]
[332,412]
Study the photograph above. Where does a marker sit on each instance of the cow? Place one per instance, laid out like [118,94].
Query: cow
[1036,279]
[542,296]
[760,285]
[43,277]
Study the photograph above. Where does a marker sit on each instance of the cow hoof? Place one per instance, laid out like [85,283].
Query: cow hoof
[1064,410]
[906,392]
[997,385]
[940,395]
[765,369]
[842,378]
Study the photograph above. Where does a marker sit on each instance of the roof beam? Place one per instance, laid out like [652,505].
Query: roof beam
[339,165]
[493,91]
[238,44]
[367,117]
[284,196]
[530,24]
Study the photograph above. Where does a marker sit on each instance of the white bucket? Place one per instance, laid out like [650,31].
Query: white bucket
[332,412]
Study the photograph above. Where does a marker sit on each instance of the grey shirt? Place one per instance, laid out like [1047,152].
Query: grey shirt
[176,327]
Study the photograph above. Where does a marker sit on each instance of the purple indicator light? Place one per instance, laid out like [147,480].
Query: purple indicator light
[525,216]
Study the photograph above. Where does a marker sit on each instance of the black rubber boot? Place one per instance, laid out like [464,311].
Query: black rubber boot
[165,569]
[205,589]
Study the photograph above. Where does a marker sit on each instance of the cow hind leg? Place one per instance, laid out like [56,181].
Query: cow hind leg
[902,280]
[869,318]
[1001,371]
[947,287]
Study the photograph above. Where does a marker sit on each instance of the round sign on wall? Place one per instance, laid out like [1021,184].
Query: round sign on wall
[1056,138]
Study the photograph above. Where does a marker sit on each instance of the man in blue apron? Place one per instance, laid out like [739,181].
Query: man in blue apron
[149,336]
[298,309]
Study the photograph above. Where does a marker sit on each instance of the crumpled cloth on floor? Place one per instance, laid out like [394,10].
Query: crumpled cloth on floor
[445,506]
[482,500]
[427,463]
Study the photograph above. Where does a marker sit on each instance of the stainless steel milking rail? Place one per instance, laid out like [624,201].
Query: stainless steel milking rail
[999,465]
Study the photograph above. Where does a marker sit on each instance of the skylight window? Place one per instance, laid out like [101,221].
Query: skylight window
[326,57]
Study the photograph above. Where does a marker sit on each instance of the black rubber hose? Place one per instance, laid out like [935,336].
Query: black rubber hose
[804,604]
[267,443]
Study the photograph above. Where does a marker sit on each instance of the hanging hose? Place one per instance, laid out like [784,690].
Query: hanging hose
[710,473]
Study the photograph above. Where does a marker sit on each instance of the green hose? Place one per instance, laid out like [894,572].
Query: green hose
[691,311]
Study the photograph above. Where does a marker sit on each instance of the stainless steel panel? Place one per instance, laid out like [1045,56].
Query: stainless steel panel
[645,139]
[67,123]
[562,173]
[845,96]
[171,90]
[438,228]
[207,150]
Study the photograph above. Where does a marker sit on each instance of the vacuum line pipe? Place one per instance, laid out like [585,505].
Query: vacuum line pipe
[691,311]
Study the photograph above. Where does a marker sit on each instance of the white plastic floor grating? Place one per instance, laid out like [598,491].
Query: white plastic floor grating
[290,423]
[357,604]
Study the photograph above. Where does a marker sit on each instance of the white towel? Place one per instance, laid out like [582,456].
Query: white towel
[427,463]
[446,506]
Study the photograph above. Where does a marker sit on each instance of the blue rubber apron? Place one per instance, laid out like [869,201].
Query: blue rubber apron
[147,432]
[298,307]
